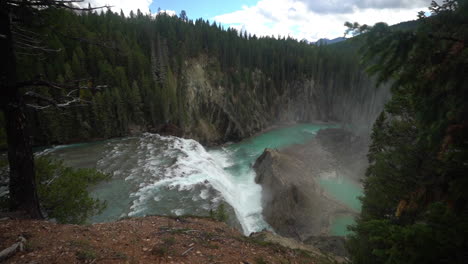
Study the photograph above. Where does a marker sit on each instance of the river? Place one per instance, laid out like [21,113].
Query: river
[165,175]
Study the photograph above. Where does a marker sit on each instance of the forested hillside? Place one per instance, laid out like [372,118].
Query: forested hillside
[168,74]
[414,208]
[189,78]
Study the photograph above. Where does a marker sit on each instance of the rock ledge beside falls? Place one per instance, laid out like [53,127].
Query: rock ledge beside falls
[294,203]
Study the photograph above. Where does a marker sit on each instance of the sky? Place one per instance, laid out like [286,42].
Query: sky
[300,19]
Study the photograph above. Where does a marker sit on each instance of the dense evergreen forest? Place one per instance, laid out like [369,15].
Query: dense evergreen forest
[196,78]
[415,204]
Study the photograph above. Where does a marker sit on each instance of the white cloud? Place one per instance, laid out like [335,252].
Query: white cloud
[348,6]
[295,18]
[168,12]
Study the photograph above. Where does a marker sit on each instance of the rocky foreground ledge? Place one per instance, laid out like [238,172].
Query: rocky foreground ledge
[148,240]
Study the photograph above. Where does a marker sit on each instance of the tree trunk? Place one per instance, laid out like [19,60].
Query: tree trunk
[23,194]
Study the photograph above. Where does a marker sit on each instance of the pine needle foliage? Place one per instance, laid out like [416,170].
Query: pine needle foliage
[63,191]
[415,206]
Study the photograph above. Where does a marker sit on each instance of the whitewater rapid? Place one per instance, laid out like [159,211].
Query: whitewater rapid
[154,174]
[193,165]
[166,175]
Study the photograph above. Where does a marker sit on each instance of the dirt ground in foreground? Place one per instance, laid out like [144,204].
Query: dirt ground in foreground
[141,240]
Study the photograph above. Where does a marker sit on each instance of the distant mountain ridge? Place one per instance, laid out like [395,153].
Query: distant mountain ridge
[325,41]
[406,25]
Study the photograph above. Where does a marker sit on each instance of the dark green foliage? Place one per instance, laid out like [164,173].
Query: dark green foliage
[439,236]
[85,252]
[144,61]
[86,255]
[260,260]
[219,214]
[63,191]
[415,206]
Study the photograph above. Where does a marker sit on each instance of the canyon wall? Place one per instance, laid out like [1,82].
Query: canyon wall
[218,113]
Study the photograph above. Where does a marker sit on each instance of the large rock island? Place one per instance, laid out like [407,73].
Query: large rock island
[294,203]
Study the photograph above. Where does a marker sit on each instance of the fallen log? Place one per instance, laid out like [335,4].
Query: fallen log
[10,251]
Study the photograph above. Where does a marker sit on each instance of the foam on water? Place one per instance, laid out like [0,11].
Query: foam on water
[195,166]
[155,174]
[204,194]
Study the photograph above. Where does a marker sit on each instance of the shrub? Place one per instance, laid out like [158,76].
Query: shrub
[63,191]
[219,214]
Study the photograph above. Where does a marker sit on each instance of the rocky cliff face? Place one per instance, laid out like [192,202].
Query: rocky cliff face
[355,104]
[294,203]
[217,112]
[289,199]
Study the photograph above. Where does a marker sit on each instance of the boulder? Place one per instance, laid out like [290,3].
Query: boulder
[294,204]
[291,200]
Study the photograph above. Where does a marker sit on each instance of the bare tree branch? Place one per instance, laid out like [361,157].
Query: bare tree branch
[28,31]
[40,97]
[30,54]
[65,4]
[30,43]
[40,48]
[72,102]
[60,86]
[25,38]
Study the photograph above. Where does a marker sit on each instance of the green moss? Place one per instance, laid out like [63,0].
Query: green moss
[260,260]
[85,255]
[165,248]
[84,250]
[160,251]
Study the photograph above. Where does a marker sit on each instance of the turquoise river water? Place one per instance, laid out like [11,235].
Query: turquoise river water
[165,175]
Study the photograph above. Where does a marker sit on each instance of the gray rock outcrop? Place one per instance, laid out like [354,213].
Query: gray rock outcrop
[293,201]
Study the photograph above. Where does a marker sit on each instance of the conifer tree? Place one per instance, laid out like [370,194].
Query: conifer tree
[413,208]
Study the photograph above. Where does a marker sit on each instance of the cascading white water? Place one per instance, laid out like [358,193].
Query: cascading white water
[165,175]
[194,166]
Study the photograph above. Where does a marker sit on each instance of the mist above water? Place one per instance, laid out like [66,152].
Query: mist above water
[154,174]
